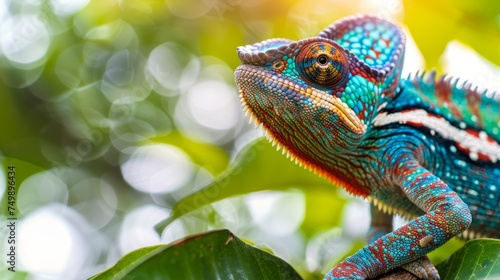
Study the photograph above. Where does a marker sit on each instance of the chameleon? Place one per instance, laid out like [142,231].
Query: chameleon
[424,147]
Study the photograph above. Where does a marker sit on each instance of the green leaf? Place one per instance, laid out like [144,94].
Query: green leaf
[211,255]
[477,259]
[209,156]
[257,167]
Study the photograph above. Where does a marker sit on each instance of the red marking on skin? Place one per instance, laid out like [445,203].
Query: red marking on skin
[382,256]
[417,124]
[443,92]
[472,132]
[279,70]
[357,72]
[337,92]
[386,42]
[407,111]
[443,95]
[491,140]
[462,148]
[366,76]
[483,157]
[467,151]
[473,101]
[475,133]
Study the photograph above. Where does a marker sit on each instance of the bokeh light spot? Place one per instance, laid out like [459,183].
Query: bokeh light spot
[95,199]
[210,110]
[122,83]
[355,218]
[213,104]
[166,63]
[137,229]
[24,39]
[49,246]
[41,189]
[120,68]
[278,213]
[67,7]
[157,169]
[69,66]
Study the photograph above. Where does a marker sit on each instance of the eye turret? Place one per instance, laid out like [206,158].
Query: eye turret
[322,64]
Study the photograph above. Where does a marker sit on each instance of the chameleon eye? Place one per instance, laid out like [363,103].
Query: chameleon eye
[322,64]
[322,60]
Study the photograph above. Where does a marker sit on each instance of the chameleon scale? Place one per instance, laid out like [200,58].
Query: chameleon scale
[423,147]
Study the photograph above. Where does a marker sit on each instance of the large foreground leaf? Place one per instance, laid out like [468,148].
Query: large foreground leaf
[212,255]
[477,259]
[258,167]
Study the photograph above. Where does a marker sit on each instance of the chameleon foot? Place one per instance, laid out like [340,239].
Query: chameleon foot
[422,268]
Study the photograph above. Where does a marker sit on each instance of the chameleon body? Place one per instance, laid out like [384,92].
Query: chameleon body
[423,147]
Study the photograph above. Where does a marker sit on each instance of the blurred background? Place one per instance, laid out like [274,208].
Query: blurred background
[113,110]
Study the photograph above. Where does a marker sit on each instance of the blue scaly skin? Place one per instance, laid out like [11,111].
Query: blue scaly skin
[424,148]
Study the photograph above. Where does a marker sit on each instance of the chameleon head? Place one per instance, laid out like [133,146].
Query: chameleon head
[315,97]
[307,92]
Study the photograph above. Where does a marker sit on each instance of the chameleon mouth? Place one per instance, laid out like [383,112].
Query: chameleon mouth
[316,98]
[263,112]
[276,141]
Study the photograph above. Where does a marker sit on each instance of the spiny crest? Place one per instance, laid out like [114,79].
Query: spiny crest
[458,101]
[451,82]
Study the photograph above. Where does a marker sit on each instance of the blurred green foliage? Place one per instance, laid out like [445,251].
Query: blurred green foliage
[433,24]
[84,85]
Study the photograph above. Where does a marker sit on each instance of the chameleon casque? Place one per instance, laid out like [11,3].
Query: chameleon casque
[422,147]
